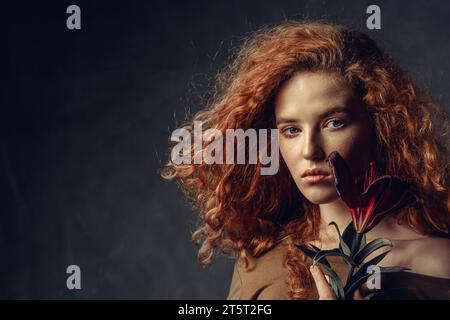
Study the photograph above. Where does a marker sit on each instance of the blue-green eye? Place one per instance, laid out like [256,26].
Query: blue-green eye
[340,123]
[290,131]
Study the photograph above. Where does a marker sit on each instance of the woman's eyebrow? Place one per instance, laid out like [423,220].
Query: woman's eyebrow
[285,120]
[336,109]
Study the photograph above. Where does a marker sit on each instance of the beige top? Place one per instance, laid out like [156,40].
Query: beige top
[265,279]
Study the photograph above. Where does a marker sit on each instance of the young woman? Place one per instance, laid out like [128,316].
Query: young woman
[325,88]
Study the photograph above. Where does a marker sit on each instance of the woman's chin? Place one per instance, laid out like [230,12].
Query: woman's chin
[321,197]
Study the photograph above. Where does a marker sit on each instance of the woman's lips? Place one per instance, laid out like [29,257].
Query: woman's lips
[316,178]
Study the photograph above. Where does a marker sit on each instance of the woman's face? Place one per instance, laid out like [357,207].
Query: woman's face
[317,113]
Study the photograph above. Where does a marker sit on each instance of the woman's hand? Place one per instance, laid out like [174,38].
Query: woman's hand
[324,288]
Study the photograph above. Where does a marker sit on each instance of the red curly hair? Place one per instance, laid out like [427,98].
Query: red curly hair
[244,213]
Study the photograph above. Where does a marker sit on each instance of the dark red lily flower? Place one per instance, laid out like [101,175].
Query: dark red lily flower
[379,196]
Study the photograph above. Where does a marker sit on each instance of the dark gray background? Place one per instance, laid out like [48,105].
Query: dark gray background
[85,120]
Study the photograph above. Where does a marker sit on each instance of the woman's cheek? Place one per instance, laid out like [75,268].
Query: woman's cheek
[355,149]
[342,143]
[288,151]
[285,155]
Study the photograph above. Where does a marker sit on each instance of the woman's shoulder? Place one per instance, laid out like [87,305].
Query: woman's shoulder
[426,255]
[431,256]
[264,277]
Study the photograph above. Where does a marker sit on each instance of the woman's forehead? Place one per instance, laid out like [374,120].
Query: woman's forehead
[314,94]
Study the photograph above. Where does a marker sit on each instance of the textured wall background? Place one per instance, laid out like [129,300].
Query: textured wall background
[85,120]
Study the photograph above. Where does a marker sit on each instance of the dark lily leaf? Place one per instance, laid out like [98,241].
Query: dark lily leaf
[335,282]
[393,269]
[362,241]
[315,248]
[369,248]
[358,282]
[310,253]
[358,238]
[363,269]
[352,286]
[370,296]
[335,252]
[376,260]
[349,234]
[342,245]
[324,261]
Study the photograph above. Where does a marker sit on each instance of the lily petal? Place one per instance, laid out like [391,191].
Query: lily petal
[384,196]
[344,181]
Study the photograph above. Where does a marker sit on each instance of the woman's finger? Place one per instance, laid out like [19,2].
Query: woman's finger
[358,295]
[323,287]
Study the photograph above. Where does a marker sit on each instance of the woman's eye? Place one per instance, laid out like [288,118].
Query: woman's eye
[291,131]
[337,123]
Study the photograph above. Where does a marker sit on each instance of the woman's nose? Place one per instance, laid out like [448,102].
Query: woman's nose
[312,148]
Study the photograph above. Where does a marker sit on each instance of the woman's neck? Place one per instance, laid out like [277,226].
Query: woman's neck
[336,211]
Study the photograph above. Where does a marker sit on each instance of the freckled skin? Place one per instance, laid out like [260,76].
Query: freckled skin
[305,97]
